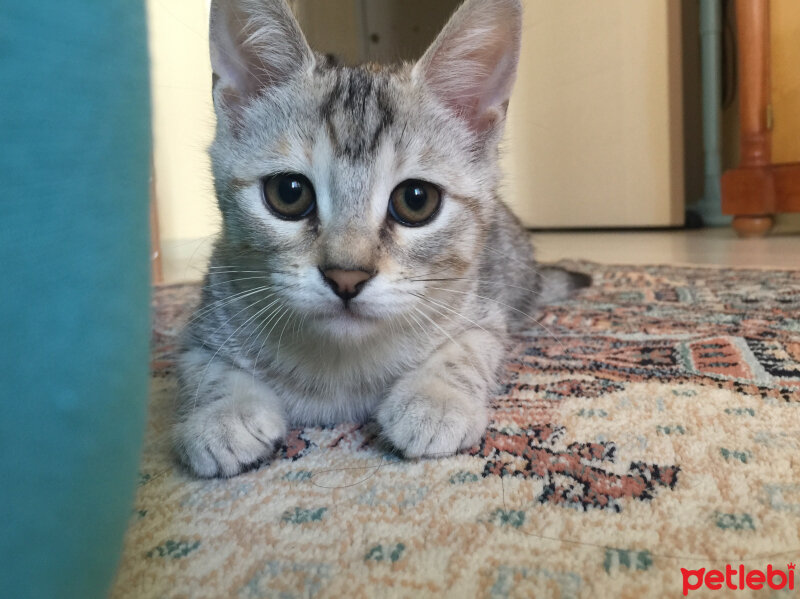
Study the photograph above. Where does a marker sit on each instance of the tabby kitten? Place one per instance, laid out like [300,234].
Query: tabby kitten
[366,267]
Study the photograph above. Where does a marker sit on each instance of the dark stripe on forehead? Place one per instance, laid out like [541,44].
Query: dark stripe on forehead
[357,112]
[359,91]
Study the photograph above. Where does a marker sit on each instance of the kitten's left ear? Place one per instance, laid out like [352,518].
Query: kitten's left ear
[472,65]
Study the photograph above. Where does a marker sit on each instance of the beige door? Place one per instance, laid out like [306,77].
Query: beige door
[785,81]
[595,126]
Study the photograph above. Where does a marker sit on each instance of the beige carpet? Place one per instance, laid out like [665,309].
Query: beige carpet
[659,431]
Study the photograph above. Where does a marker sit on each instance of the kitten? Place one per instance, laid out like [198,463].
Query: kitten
[366,267]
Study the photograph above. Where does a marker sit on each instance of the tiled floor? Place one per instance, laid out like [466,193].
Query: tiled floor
[708,246]
[186,260]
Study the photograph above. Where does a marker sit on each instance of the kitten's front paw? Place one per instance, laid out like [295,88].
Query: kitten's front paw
[432,424]
[228,436]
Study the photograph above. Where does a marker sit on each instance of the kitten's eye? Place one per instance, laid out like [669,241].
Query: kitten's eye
[289,196]
[414,203]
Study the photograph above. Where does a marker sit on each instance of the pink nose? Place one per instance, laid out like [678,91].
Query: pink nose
[346,283]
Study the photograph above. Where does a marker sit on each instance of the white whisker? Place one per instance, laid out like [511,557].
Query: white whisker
[553,335]
[216,353]
[222,302]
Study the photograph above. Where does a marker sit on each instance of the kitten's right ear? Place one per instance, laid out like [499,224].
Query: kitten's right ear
[255,44]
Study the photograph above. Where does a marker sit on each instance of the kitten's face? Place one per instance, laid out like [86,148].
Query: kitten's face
[365,170]
[387,187]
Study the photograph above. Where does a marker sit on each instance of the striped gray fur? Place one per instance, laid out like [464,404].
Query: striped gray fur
[420,347]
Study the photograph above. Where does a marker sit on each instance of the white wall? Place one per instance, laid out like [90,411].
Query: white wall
[183,118]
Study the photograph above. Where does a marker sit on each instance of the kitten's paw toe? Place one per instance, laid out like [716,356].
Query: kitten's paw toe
[422,426]
[226,439]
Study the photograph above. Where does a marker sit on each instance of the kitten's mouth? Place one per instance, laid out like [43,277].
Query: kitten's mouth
[345,322]
[346,312]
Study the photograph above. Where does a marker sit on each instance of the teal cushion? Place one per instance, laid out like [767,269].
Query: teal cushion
[74,287]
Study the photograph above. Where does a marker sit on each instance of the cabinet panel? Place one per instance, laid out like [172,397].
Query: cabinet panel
[595,126]
[785,64]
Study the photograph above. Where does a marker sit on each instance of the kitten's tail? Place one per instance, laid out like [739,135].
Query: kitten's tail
[558,284]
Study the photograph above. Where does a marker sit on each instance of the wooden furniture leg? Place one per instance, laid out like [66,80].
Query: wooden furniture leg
[758,189]
[748,191]
[753,226]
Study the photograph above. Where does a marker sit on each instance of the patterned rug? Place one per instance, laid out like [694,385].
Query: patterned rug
[656,429]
